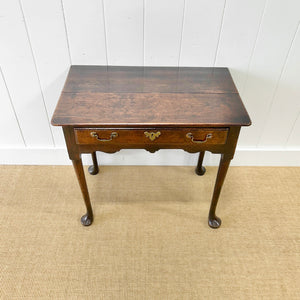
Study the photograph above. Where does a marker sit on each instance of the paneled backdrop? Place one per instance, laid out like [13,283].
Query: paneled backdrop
[258,39]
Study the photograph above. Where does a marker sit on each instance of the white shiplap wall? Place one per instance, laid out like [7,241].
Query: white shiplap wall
[259,40]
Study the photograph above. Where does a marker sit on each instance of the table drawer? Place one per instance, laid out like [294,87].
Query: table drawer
[117,136]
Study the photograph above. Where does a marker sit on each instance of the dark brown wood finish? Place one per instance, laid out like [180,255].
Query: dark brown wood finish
[86,219]
[133,136]
[200,170]
[112,108]
[94,169]
[111,79]
[151,109]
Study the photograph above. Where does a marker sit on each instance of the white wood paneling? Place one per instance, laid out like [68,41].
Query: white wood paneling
[241,23]
[258,40]
[286,103]
[124,32]
[271,49]
[20,75]
[201,31]
[86,31]
[163,29]
[294,137]
[10,134]
[46,28]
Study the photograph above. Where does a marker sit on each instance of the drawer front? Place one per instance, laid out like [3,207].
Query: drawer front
[182,136]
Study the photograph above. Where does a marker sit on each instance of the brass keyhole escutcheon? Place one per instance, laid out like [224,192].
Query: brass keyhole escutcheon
[152,135]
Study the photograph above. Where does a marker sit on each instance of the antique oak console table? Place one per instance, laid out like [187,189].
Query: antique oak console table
[111,108]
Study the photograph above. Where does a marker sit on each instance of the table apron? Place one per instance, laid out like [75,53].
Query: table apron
[152,148]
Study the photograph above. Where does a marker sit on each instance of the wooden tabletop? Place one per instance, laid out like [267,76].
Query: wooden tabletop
[149,96]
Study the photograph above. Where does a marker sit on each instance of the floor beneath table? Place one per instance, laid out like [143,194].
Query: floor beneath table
[150,238]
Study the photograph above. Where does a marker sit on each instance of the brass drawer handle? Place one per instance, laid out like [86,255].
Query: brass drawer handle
[152,135]
[95,135]
[190,136]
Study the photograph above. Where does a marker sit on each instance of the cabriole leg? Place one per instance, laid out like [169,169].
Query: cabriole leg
[200,170]
[86,219]
[94,169]
[213,220]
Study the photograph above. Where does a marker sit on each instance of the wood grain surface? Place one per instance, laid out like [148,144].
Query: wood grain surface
[110,79]
[138,137]
[100,95]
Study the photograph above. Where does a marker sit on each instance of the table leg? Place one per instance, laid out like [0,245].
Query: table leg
[213,220]
[94,169]
[86,219]
[200,170]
